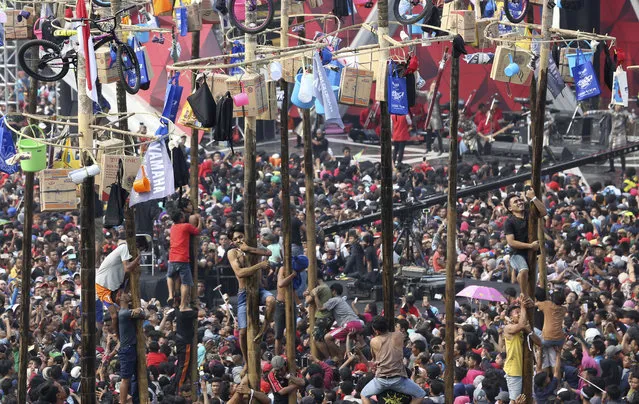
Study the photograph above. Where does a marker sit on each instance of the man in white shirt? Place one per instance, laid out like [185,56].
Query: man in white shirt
[109,278]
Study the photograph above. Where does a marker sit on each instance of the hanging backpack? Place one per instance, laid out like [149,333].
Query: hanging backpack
[114,215]
[224,120]
[203,106]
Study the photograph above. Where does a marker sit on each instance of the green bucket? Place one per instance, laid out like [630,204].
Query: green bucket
[38,151]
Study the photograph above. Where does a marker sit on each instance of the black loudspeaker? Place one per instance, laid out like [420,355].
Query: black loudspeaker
[509,148]
[561,153]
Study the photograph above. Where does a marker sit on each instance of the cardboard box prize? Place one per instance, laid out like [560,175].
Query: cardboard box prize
[502,59]
[564,67]
[217,84]
[108,76]
[481,40]
[103,57]
[355,86]
[57,191]
[446,15]
[463,23]
[271,95]
[194,17]
[291,66]
[109,174]
[254,86]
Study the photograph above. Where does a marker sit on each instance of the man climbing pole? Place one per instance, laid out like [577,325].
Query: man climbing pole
[239,263]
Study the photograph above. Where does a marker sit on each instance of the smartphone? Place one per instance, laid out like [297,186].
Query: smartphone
[355,300]
[585,307]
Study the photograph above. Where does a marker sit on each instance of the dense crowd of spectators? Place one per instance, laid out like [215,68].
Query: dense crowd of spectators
[590,246]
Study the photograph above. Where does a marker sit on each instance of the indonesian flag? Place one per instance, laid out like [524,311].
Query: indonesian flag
[86,49]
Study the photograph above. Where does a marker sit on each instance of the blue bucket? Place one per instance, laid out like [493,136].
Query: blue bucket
[572,59]
[417,29]
[296,90]
[334,76]
[319,108]
[143,37]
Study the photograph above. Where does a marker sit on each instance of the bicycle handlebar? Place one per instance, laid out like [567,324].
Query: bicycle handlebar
[105,18]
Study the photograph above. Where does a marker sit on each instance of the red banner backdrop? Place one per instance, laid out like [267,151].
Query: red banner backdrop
[618,18]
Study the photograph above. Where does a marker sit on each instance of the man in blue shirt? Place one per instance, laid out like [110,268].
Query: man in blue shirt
[545,384]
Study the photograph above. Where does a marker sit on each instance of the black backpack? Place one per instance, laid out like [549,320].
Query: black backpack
[203,106]
[224,121]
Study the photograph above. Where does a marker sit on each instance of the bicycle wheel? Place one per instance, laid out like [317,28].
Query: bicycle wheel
[251,16]
[516,10]
[128,68]
[102,3]
[42,60]
[412,11]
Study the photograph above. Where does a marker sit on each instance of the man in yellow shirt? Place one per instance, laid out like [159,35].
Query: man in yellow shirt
[514,338]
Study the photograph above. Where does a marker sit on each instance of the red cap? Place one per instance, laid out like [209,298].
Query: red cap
[68,12]
[360,367]
[624,240]
[269,213]
[46,233]
[373,188]
[228,210]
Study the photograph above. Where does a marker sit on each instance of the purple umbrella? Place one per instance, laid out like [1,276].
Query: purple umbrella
[482,293]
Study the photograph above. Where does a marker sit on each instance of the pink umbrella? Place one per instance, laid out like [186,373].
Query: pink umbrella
[482,293]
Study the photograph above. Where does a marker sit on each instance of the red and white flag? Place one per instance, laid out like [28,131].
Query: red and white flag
[86,49]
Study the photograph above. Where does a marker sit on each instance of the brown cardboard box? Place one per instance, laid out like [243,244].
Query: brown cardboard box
[103,57]
[291,66]
[10,33]
[57,191]
[194,17]
[108,76]
[217,84]
[447,22]
[296,7]
[463,23]
[480,41]
[355,86]
[109,165]
[11,18]
[210,17]
[564,68]
[23,32]
[502,60]
[254,86]
[32,15]
[271,95]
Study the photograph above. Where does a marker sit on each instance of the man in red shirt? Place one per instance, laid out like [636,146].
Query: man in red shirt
[400,125]
[180,257]
[155,357]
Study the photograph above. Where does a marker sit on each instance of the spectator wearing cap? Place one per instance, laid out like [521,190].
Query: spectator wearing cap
[514,338]
[282,384]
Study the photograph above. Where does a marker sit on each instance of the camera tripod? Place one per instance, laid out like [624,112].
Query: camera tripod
[407,235]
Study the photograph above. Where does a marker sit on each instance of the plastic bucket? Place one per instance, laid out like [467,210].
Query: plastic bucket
[143,37]
[240,10]
[319,108]
[417,29]
[573,57]
[38,160]
[296,90]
